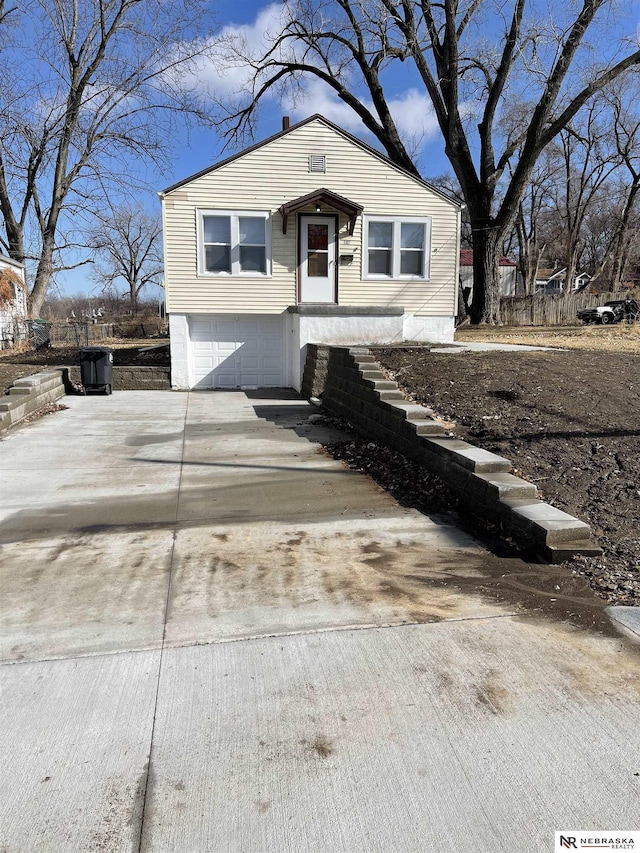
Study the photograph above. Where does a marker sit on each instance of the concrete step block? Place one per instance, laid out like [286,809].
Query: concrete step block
[19,391]
[372,374]
[390,395]
[49,384]
[381,384]
[506,507]
[501,486]
[549,525]
[38,378]
[555,554]
[410,411]
[16,414]
[474,458]
[426,429]
[27,382]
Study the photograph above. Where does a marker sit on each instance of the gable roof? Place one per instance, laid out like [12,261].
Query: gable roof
[556,274]
[292,129]
[466,259]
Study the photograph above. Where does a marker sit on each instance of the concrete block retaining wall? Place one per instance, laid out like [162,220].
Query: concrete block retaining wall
[141,379]
[356,389]
[133,378]
[315,370]
[29,394]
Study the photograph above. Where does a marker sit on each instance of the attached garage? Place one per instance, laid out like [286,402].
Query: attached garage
[229,351]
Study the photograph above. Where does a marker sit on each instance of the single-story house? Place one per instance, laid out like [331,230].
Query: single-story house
[311,236]
[13,302]
[552,281]
[507,269]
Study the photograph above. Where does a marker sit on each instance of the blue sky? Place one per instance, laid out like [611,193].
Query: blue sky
[410,106]
[193,149]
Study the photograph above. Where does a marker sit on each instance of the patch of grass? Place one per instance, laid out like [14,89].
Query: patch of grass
[621,337]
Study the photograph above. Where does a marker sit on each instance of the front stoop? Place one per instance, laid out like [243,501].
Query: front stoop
[357,390]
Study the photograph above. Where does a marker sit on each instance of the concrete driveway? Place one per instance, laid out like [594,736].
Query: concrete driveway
[216,638]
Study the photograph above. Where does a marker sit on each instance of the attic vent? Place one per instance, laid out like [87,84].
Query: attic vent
[317,163]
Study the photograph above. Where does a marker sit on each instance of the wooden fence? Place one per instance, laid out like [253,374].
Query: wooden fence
[549,310]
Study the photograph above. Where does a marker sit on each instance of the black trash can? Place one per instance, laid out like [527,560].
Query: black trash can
[96,366]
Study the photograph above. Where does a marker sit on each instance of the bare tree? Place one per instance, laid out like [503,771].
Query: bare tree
[588,161]
[92,84]
[5,12]
[626,134]
[472,58]
[530,234]
[586,215]
[128,248]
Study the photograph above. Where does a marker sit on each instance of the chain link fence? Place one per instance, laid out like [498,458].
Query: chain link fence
[79,334]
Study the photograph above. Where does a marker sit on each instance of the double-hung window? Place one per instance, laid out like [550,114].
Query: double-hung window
[397,247]
[234,243]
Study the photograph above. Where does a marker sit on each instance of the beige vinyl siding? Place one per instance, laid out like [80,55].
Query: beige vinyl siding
[279,172]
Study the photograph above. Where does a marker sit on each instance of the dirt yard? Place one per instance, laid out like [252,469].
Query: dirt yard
[569,421]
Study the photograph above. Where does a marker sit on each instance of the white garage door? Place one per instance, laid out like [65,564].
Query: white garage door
[237,352]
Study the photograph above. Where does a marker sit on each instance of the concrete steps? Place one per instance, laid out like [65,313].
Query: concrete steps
[29,394]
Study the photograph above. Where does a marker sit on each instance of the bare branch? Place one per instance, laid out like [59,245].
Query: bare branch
[100,72]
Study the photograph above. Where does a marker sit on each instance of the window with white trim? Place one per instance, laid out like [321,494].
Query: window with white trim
[397,247]
[234,243]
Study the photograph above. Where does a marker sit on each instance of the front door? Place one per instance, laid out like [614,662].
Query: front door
[317,259]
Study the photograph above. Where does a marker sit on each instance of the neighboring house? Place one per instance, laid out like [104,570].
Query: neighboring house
[308,237]
[553,281]
[13,302]
[508,271]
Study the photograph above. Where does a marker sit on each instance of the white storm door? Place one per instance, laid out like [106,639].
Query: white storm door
[317,259]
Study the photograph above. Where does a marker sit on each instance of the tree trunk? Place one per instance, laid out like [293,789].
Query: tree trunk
[485,303]
[621,243]
[42,279]
[463,308]
[570,275]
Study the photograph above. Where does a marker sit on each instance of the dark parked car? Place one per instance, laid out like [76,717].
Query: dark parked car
[611,312]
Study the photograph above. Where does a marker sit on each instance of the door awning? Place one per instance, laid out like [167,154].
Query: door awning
[322,196]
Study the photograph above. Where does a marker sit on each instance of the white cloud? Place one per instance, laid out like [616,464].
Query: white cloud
[225,79]
[320,98]
[224,76]
[412,112]
[414,115]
